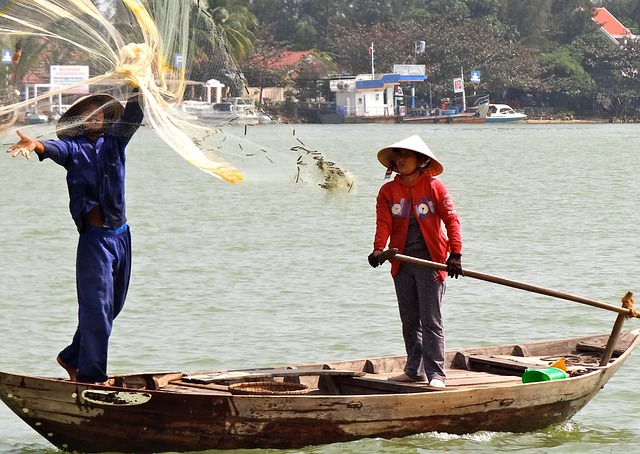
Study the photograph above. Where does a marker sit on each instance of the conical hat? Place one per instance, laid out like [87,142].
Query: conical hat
[70,123]
[413,143]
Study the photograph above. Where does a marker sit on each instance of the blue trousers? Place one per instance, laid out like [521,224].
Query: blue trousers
[103,271]
[419,296]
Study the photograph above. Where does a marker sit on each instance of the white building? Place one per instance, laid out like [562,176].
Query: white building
[383,96]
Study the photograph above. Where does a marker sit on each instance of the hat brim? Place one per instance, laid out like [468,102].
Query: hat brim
[70,123]
[415,144]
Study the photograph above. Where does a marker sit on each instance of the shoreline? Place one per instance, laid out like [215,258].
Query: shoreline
[572,121]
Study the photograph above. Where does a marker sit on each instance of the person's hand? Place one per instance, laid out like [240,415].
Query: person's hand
[24,146]
[454,265]
[373,260]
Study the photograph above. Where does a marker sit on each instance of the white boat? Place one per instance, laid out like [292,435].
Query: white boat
[35,118]
[502,113]
[236,110]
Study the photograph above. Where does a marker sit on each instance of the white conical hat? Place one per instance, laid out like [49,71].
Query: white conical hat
[413,143]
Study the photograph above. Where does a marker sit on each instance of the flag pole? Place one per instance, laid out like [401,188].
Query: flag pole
[464,99]
[373,72]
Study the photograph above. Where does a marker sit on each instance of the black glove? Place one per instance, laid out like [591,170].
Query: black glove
[454,265]
[373,261]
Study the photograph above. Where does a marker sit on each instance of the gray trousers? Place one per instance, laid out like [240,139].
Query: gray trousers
[419,297]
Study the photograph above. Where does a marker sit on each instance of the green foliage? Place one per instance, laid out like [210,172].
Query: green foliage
[562,71]
[545,48]
[616,71]
[235,22]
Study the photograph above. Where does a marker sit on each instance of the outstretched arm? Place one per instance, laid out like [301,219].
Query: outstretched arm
[25,146]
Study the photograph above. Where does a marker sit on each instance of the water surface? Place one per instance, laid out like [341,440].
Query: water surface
[273,271]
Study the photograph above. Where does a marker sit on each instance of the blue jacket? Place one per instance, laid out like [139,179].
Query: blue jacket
[96,171]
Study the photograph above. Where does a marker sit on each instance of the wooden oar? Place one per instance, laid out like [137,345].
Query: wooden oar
[393,253]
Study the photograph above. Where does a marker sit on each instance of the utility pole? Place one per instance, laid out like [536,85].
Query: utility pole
[464,99]
[371,52]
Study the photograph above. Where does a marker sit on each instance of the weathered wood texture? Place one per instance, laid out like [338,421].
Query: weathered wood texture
[347,400]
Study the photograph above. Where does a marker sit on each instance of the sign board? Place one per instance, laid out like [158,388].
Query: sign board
[69,75]
[475,76]
[178,61]
[7,56]
[458,86]
[342,85]
[410,70]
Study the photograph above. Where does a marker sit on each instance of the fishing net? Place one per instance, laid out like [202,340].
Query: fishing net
[56,51]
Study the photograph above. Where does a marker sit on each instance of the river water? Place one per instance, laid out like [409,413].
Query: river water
[274,270]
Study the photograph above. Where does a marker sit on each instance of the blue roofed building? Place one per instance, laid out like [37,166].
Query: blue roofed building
[384,97]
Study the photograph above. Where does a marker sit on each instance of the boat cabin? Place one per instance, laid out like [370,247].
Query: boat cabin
[237,105]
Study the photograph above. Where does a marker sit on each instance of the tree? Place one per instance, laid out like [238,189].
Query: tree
[562,72]
[235,23]
[520,46]
[616,70]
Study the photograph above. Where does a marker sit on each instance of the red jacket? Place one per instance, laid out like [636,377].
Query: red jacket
[432,207]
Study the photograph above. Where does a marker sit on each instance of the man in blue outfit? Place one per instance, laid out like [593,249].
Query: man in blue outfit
[92,136]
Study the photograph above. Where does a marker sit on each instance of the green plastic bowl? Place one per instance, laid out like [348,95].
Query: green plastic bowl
[549,373]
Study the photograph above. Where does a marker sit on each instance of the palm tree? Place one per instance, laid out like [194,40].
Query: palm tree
[234,22]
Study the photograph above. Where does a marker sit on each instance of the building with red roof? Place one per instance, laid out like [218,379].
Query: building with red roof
[611,27]
[295,62]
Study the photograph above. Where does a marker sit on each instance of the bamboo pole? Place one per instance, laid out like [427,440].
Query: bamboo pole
[392,254]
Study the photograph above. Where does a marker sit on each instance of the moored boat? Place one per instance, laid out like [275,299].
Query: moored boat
[477,114]
[35,118]
[503,113]
[235,110]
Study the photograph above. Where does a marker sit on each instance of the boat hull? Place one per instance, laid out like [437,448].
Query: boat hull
[519,117]
[158,418]
[176,422]
[455,118]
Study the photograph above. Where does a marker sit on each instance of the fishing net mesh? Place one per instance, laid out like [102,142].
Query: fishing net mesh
[56,51]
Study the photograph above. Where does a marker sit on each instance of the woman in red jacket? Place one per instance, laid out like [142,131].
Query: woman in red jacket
[411,210]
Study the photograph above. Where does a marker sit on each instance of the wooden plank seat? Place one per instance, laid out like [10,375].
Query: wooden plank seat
[598,345]
[506,365]
[472,379]
[226,376]
[379,385]
[456,379]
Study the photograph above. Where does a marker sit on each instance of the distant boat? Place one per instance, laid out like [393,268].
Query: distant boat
[34,118]
[477,114]
[503,113]
[235,110]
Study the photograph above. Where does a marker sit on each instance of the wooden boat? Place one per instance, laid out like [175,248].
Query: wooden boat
[311,404]
[476,114]
[488,389]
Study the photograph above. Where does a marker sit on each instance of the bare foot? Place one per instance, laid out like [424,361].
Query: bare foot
[70,370]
